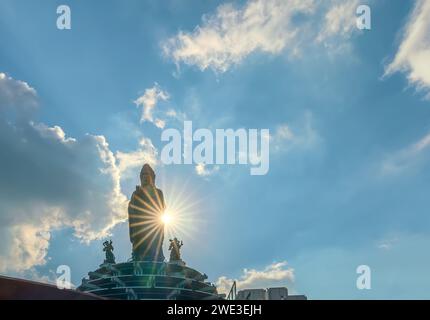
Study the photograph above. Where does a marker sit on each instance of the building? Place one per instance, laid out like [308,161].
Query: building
[279,293]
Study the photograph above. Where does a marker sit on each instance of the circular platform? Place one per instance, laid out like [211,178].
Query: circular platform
[139,280]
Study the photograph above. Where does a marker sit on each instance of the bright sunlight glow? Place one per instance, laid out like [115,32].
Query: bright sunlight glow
[166,218]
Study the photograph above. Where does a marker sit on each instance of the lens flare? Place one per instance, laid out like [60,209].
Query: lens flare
[166,218]
[180,217]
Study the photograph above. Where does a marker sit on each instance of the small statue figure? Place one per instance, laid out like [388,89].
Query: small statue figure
[174,247]
[108,249]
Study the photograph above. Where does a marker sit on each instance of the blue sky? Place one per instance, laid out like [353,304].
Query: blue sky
[347,109]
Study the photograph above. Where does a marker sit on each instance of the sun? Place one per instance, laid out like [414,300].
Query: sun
[166,218]
[181,215]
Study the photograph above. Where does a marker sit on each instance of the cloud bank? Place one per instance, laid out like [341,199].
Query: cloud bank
[50,181]
[16,95]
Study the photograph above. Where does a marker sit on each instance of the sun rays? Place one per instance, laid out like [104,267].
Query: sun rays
[177,217]
[181,216]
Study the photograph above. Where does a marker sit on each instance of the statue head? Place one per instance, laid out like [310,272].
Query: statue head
[147,175]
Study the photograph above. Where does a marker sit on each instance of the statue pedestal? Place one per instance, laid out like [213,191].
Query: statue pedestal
[106,265]
[141,280]
[178,263]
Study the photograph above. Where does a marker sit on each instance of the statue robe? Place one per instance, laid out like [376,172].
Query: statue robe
[146,230]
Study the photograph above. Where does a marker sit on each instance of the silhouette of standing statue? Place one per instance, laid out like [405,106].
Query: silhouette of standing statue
[108,249]
[144,215]
[175,247]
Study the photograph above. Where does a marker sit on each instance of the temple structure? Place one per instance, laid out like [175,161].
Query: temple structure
[147,275]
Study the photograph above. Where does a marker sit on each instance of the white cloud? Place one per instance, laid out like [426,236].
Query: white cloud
[274,275]
[232,33]
[50,181]
[303,135]
[282,138]
[407,158]
[160,123]
[413,54]
[204,171]
[387,243]
[23,246]
[339,21]
[15,94]
[148,101]
[128,161]
[154,112]
[176,115]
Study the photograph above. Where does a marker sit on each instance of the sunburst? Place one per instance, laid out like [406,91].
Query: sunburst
[181,215]
[178,219]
